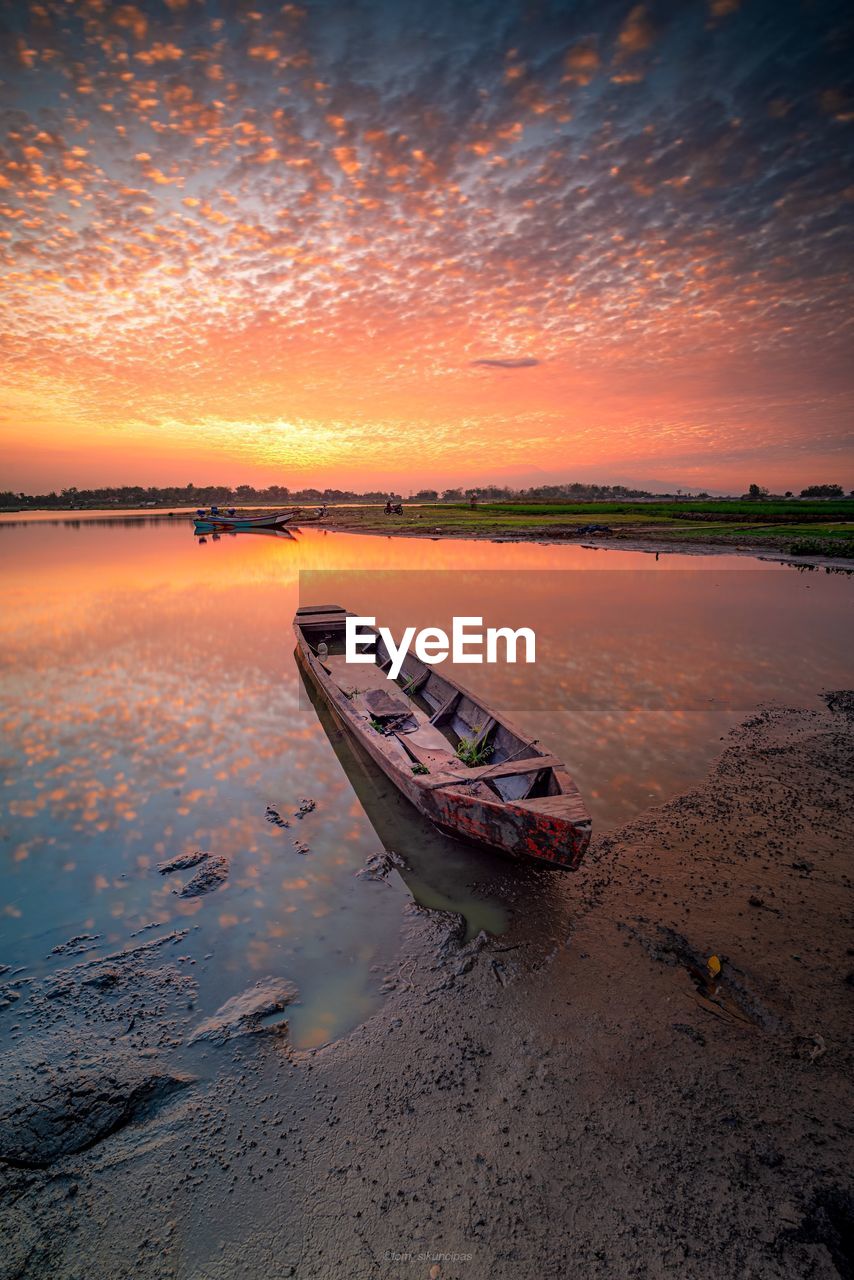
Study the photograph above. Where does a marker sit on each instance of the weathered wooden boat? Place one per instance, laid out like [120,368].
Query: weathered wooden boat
[522,801]
[216,522]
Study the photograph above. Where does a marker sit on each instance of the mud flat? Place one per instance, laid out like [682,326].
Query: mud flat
[584,1096]
[786,543]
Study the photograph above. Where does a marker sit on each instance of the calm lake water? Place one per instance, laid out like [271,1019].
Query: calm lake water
[151,705]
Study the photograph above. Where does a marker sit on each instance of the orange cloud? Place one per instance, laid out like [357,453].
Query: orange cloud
[159,53]
[129,18]
[637,33]
[581,62]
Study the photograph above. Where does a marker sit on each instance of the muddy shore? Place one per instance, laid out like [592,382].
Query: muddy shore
[656,538]
[651,543]
[584,1096]
[442,525]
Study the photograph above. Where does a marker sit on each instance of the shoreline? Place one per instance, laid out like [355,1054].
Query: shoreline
[651,545]
[649,541]
[576,1096]
[636,540]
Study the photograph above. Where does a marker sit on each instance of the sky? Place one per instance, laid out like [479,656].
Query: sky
[418,243]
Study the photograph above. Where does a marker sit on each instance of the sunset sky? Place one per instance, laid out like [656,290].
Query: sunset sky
[371,244]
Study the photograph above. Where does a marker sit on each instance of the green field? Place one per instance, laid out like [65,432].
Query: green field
[797,527]
[797,511]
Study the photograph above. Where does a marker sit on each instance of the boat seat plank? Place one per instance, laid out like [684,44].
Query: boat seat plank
[446,707]
[567,805]
[532,764]
[331,620]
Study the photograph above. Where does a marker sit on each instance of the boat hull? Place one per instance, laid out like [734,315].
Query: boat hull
[520,830]
[219,524]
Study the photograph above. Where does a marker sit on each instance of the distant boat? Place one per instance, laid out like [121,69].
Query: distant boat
[215,520]
[520,800]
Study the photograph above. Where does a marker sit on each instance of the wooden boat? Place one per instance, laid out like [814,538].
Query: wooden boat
[218,522]
[523,801]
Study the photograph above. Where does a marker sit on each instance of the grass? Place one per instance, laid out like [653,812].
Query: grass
[473,752]
[839,548]
[793,526]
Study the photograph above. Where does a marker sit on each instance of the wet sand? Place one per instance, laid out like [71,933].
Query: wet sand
[581,1096]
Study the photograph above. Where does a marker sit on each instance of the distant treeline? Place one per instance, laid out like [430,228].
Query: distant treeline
[277,495]
[192,495]
[812,491]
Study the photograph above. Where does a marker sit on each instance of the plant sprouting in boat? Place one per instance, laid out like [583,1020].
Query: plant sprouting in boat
[473,751]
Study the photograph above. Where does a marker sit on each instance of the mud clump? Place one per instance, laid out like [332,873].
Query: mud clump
[66,1100]
[182,862]
[210,875]
[275,818]
[378,866]
[245,1014]
[76,946]
[213,872]
[840,702]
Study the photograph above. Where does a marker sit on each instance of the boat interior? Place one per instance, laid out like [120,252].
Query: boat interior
[426,721]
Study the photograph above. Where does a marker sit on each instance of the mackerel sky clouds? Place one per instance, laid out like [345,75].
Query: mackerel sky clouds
[328,242]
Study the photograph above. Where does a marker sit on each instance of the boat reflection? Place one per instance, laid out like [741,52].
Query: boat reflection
[440,873]
[207,535]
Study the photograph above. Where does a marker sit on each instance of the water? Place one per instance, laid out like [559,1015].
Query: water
[151,705]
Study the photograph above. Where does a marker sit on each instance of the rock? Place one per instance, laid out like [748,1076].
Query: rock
[244,1014]
[67,1099]
[211,874]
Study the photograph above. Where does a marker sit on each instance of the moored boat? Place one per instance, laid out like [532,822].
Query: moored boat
[423,728]
[214,520]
